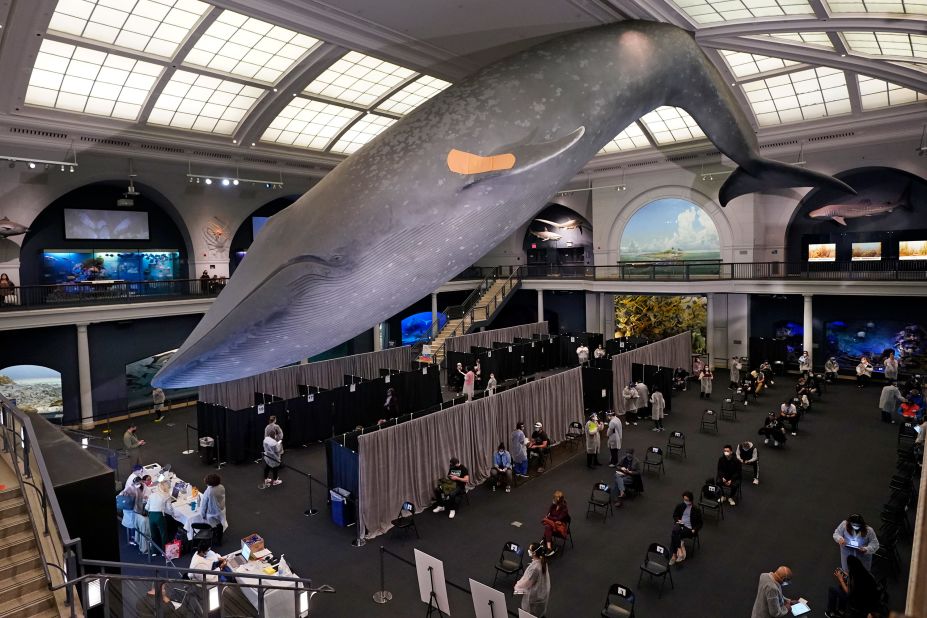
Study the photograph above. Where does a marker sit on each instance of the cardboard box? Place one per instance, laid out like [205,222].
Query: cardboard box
[253,542]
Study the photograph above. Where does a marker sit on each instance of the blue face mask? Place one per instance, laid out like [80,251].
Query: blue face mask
[786,583]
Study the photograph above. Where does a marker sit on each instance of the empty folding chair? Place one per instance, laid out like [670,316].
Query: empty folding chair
[676,442]
[656,564]
[709,421]
[654,459]
[729,410]
[907,433]
[600,498]
[201,532]
[511,560]
[710,499]
[406,519]
[619,602]
[574,434]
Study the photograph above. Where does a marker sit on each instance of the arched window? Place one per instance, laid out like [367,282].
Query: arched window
[35,389]
[670,229]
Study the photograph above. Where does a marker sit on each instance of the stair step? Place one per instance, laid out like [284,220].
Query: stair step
[14,524]
[22,563]
[22,584]
[12,508]
[29,605]
[14,493]
[18,543]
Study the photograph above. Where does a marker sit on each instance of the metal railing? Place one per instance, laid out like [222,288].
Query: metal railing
[84,293]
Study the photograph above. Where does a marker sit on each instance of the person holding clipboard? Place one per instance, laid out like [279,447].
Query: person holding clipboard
[771,602]
[857,539]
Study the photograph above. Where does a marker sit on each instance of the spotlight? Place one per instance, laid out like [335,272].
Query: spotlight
[72,169]
[208,181]
[62,168]
[235,182]
[190,180]
[267,185]
[47,166]
[197,181]
[225,182]
[31,165]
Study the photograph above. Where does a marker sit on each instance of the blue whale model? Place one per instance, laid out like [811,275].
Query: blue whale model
[447,183]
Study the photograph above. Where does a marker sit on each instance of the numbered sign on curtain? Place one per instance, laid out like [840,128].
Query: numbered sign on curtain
[353,387]
[532,344]
[424,371]
[489,355]
[386,379]
[260,408]
[621,345]
[572,339]
[510,348]
[310,398]
[603,393]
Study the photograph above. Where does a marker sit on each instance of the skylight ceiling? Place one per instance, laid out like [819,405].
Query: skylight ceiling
[891,44]
[713,11]
[362,132]
[358,79]
[818,39]
[803,95]
[309,124]
[249,48]
[903,7]
[669,125]
[413,95]
[743,64]
[629,139]
[876,94]
[155,27]
[203,103]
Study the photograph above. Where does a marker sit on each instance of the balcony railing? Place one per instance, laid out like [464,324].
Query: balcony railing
[106,293]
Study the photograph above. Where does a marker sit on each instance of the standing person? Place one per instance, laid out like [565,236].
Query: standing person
[157,398]
[519,446]
[534,585]
[212,507]
[687,520]
[863,372]
[142,525]
[615,433]
[804,363]
[631,396]
[599,353]
[831,369]
[736,367]
[459,378]
[132,443]
[501,467]
[657,409]
[491,384]
[889,400]
[273,429]
[729,474]
[855,538]
[582,355]
[749,455]
[556,521]
[451,488]
[159,507]
[469,383]
[126,500]
[891,366]
[705,377]
[593,441]
[643,400]
[391,405]
[273,458]
[204,282]
[770,601]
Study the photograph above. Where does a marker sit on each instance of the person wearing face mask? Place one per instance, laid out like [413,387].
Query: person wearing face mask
[855,538]
[770,601]
[556,521]
[687,520]
[788,413]
[729,472]
[657,409]
[615,434]
[593,441]
[735,368]
[891,366]
[856,594]
[863,372]
[631,397]
[831,369]
[534,585]
[519,450]
[501,468]
[804,363]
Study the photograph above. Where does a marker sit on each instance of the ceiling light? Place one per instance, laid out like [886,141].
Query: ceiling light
[235,182]
[31,165]
[72,169]
[234,141]
[62,168]
[225,182]
[208,181]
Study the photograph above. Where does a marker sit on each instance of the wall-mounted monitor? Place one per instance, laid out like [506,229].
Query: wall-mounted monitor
[256,224]
[85,224]
[912,250]
[866,251]
[825,252]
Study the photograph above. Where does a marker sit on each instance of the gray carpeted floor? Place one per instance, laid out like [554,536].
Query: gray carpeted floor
[840,463]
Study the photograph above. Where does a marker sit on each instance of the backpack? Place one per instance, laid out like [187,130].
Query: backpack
[125,502]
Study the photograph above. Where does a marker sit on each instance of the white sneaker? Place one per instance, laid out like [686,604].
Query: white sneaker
[794,434]
[278,482]
[438,509]
[451,514]
[775,443]
[508,490]
[731,502]
[756,481]
[655,429]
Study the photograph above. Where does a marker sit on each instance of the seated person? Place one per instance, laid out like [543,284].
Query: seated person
[748,455]
[680,379]
[729,473]
[205,559]
[627,476]
[759,381]
[773,430]
[831,369]
[811,383]
[556,521]
[856,592]
[539,444]
[501,469]
[451,488]
[788,413]
[767,371]
[687,520]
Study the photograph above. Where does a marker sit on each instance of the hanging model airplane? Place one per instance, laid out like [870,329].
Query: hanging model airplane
[11,228]
[868,204]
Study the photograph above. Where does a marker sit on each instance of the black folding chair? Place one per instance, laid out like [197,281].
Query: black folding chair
[406,519]
[656,564]
[619,603]
[654,459]
[564,537]
[574,434]
[906,433]
[709,421]
[601,497]
[676,442]
[710,499]
[729,410]
[511,560]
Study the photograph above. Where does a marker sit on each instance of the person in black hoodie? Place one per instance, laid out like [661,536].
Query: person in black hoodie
[729,471]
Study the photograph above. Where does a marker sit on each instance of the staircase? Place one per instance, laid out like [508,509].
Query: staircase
[24,589]
[483,304]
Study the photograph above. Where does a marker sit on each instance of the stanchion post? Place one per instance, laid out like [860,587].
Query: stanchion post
[382,595]
[311,510]
[189,450]
[360,541]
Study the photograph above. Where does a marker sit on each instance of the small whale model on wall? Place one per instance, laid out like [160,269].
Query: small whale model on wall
[868,204]
[11,228]
[441,187]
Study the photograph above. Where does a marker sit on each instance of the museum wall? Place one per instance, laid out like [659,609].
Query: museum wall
[54,347]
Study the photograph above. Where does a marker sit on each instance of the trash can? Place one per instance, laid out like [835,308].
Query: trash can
[207,450]
[342,514]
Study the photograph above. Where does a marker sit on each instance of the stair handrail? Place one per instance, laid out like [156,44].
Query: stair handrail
[465,308]
[69,564]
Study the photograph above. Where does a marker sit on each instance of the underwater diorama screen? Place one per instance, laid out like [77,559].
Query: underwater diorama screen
[417,327]
[132,265]
[853,339]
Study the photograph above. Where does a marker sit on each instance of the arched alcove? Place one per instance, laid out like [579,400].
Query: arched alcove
[35,389]
[558,235]
[97,238]
[246,232]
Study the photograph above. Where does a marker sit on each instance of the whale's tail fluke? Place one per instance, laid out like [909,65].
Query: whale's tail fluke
[766,174]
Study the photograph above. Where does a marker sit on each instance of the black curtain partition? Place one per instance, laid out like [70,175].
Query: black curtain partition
[656,377]
[767,349]
[597,390]
[568,342]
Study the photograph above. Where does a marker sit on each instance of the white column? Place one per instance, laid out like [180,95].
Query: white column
[434,315]
[83,374]
[709,329]
[609,316]
[540,305]
[378,337]
[807,325]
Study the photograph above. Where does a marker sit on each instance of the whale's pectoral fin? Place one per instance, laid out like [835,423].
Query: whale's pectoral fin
[840,220]
[767,174]
[519,158]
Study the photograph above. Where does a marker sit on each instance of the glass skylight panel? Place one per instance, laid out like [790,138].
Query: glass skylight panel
[875,93]
[309,124]
[153,26]
[803,95]
[84,80]
[248,47]
[743,64]
[203,103]
[361,132]
[629,139]
[669,125]
[358,79]
[713,11]
[904,7]
[413,95]
[896,44]
[820,39]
